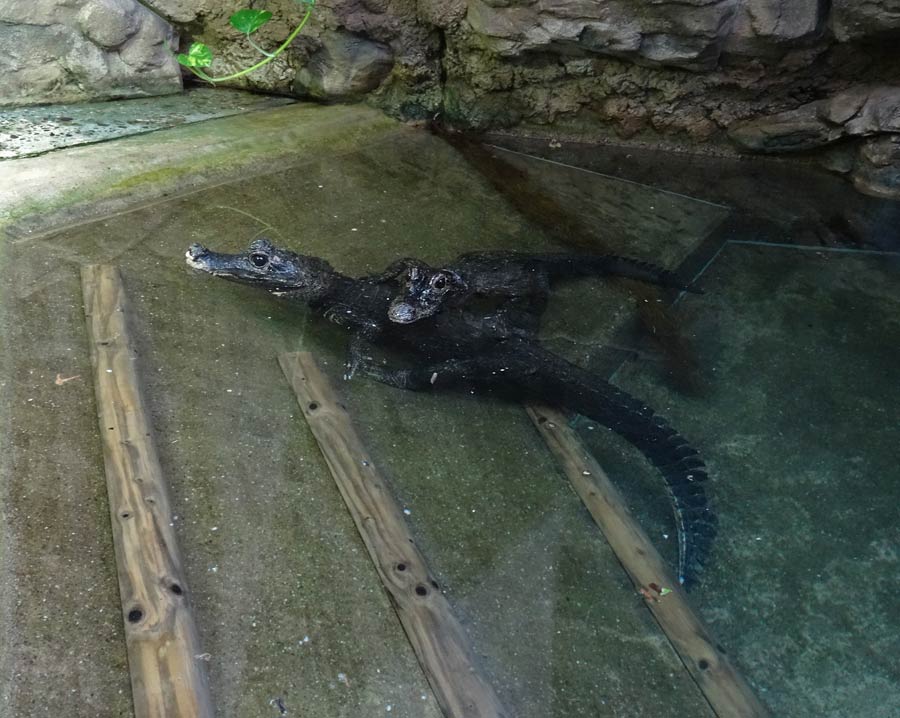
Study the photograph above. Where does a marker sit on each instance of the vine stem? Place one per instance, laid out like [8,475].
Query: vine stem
[258,48]
[290,38]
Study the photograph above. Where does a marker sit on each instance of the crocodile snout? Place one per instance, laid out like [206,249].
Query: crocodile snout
[194,253]
[195,250]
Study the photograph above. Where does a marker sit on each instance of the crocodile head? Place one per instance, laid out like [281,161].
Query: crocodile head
[423,292]
[266,266]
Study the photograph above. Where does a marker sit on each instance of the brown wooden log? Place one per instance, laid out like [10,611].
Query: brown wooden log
[437,637]
[725,690]
[164,658]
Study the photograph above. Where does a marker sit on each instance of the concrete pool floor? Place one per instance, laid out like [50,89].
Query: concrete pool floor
[793,415]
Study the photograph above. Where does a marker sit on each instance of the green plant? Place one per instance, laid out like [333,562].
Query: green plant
[246,21]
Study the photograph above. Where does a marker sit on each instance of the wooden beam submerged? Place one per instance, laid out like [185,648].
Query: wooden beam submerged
[724,688]
[167,676]
[438,639]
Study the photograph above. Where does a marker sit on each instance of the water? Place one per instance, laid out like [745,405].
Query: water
[30,131]
[790,394]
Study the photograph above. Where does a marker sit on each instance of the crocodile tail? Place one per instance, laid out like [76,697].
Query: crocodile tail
[683,471]
[586,265]
[680,465]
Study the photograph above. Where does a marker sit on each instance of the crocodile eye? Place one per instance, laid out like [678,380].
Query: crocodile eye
[258,259]
[439,283]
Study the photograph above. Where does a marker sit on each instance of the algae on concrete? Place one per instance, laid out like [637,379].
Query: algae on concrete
[287,602]
[63,644]
[60,610]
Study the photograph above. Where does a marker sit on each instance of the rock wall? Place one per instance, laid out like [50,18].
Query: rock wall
[722,76]
[73,50]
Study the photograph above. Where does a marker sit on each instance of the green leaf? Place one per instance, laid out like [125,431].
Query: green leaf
[305,2]
[248,21]
[198,55]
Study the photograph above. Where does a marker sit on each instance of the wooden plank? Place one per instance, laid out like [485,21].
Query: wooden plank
[725,690]
[436,635]
[164,658]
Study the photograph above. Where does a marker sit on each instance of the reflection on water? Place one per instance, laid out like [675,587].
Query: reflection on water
[793,412]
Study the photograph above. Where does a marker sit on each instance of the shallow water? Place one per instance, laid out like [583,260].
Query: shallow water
[28,131]
[790,396]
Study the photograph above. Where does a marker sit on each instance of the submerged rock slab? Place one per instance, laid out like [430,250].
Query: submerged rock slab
[78,50]
[793,131]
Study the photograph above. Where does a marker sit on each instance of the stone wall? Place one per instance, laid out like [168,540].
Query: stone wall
[727,76]
[724,76]
[73,50]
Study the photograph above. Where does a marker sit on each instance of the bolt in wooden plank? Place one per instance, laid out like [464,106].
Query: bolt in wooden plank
[438,639]
[724,688]
[167,676]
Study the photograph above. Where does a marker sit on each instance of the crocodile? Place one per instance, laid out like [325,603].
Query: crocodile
[522,280]
[481,353]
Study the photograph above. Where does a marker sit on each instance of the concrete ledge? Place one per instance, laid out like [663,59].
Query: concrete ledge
[79,184]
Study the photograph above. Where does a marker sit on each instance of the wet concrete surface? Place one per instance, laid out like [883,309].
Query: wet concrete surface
[798,423]
[29,131]
[286,600]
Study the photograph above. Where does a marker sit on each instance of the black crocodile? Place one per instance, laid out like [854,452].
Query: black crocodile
[522,280]
[456,349]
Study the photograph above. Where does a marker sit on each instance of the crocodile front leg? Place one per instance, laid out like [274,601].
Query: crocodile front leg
[432,376]
[357,353]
